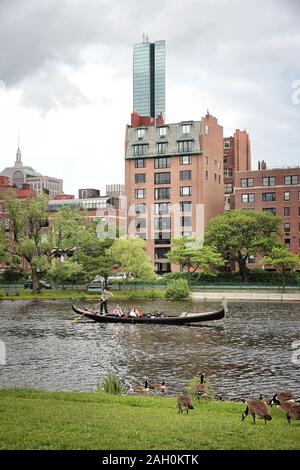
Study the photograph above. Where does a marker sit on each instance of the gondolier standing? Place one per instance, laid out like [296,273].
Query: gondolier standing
[103,300]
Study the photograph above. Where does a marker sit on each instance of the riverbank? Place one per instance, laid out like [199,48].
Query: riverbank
[150,294]
[59,294]
[246,296]
[68,420]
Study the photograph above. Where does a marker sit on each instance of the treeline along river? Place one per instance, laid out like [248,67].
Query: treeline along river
[248,353]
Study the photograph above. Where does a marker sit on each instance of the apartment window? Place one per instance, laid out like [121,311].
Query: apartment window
[162,131]
[225,160]
[162,223]
[186,128]
[268,197]
[206,160]
[206,175]
[162,267]
[206,129]
[162,193]
[291,179]
[215,177]
[219,179]
[286,196]
[140,223]
[226,144]
[185,175]
[140,149]
[140,178]
[248,197]
[287,228]
[228,188]
[186,221]
[269,181]
[162,162]
[140,133]
[247,182]
[186,234]
[185,145]
[161,253]
[140,193]
[186,206]
[270,209]
[162,178]
[228,172]
[185,191]
[140,208]
[162,147]
[162,238]
[162,208]
[185,160]
[140,163]
[287,242]
[286,211]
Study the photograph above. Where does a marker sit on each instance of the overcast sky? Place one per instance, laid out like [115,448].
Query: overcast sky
[66,78]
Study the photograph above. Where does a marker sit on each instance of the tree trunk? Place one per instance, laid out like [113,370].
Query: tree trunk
[283,280]
[189,276]
[243,269]
[35,281]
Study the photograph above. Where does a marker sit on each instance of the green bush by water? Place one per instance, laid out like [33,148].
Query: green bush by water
[111,384]
[177,289]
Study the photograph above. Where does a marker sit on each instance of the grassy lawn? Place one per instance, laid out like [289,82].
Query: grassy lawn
[59,294]
[59,420]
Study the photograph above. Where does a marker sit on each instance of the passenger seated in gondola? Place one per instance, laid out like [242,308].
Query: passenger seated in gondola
[118,311]
[132,313]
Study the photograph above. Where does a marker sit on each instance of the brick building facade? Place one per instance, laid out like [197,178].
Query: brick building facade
[237,157]
[276,190]
[173,180]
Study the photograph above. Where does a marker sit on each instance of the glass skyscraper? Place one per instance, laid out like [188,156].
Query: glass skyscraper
[149,78]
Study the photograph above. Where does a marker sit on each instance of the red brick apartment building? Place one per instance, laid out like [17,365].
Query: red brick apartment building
[276,190]
[173,180]
[237,157]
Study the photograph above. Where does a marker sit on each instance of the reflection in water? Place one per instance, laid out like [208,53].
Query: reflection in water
[247,353]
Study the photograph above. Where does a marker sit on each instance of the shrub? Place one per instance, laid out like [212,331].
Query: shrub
[177,289]
[112,384]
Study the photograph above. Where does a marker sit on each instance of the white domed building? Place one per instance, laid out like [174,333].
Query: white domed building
[20,175]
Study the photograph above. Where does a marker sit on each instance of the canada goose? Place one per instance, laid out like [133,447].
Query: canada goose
[184,402]
[291,409]
[266,399]
[294,412]
[201,388]
[161,387]
[283,396]
[140,389]
[257,408]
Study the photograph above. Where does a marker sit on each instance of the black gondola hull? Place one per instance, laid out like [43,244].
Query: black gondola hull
[148,319]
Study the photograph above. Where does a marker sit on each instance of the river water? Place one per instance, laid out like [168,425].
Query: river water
[247,353]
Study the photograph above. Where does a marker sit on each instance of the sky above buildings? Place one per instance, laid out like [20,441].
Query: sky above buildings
[66,78]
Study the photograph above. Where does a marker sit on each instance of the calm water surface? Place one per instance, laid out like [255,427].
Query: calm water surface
[247,353]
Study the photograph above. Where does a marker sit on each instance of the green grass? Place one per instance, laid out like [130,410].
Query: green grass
[58,420]
[59,294]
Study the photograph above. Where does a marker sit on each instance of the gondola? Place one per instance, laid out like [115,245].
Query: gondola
[161,319]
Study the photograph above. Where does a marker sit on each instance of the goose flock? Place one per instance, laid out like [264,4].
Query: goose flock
[259,408]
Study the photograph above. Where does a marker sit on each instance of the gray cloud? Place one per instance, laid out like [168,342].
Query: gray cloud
[239,57]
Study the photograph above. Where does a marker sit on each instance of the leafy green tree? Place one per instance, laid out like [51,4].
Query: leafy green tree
[93,256]
[238,234]
[25,237]
[189,253]
[62,272]
[130,255]
[32,240]
[283,261]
